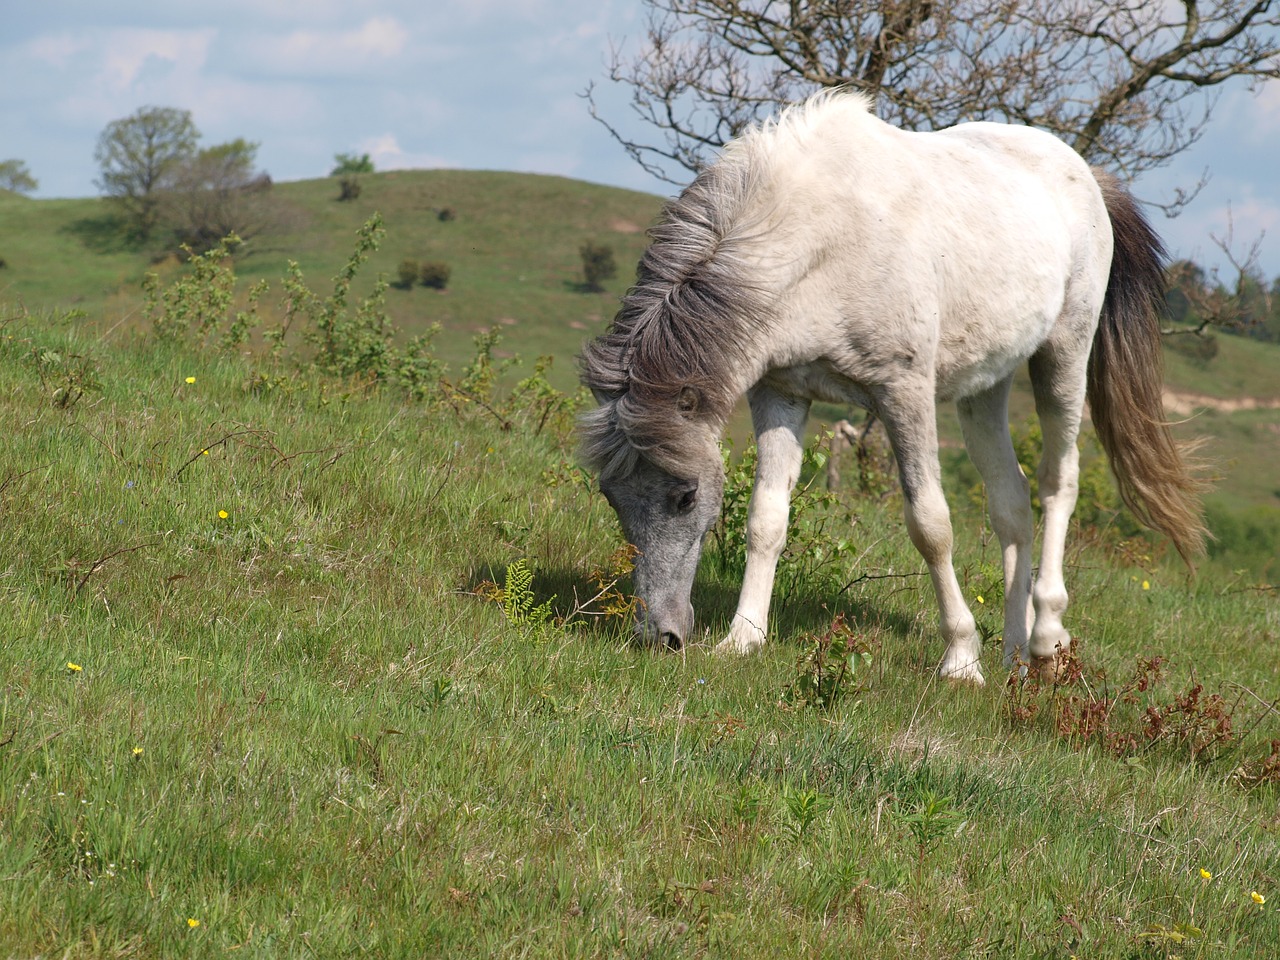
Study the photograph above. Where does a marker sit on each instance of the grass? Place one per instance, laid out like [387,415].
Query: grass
[513,248]
[306,728]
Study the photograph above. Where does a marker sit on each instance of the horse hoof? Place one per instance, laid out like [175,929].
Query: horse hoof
[970,673]
[740,643]
[1045,669]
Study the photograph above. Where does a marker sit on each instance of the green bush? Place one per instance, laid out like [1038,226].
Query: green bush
[346,164]
[435,274]
[348,188]
[407,273]
[597,265]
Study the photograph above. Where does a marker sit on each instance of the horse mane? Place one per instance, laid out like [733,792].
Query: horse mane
[684,324]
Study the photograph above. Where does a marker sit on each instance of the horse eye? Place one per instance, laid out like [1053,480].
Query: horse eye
[685,499]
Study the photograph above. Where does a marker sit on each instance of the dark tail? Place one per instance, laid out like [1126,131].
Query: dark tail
[1156,474]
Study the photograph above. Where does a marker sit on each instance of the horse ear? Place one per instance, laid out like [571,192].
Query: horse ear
[688,402]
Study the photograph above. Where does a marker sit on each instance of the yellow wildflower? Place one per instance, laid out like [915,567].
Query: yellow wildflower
[1205,874]
[137,751]
[204,453]
[980,600]
[74,667]
[1146,584]
[1257,898]
[222,514]
[192,922]
[191,379]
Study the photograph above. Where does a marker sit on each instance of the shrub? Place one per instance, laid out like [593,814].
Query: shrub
[349,188]
[597,265]
[1200,350]
[435,274]
[446,214]
[407,273]
[348,163]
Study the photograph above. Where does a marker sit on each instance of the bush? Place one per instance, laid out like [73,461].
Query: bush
[408,273]
[446,214]
[597,265]
[349,163]
[435,275]
[349,188]
[1199,349]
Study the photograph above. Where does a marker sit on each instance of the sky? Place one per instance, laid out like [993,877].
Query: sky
[472,84]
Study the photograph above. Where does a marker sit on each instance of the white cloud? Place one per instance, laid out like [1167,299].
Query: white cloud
[387,154]
[57,50]
[128,53]
[328,52]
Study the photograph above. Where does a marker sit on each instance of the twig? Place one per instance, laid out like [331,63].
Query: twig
[217,443]
[98,564]
[106,446]
[879,576]
[18,476]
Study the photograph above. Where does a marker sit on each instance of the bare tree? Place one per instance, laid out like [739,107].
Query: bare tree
[1201,301]
[215,193]
[1127,84]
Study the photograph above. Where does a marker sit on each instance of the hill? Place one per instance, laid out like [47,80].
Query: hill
[291,665]
[512,242]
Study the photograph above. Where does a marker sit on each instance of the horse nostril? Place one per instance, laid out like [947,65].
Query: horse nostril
[671,640]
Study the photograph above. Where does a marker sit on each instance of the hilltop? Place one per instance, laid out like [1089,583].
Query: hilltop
[512,244]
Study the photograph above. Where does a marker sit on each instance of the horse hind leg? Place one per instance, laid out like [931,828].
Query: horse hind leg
[779,427]
[1058,381]
[984,418]
[911,421]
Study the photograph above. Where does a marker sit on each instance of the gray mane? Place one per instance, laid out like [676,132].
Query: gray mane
[681,328]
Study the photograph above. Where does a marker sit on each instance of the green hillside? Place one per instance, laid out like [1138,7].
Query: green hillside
[304,656]
[512,244]
[513,247]
[292,666]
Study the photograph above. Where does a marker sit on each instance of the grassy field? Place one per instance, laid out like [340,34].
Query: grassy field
[272,687]
[513,248]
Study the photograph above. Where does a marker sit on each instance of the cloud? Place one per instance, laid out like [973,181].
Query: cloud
[58,50]
[329,52]
[387,154]
[129,54]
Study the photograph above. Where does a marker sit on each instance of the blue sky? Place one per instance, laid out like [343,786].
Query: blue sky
[481,84]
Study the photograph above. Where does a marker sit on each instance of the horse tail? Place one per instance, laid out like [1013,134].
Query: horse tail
[1158,477]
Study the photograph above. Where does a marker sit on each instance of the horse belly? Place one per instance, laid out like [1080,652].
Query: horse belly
[983,338]
[966,368]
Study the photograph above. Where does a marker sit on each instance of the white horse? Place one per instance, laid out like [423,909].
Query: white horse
[829,256]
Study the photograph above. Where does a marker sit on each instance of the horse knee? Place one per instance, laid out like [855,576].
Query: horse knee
[929,526]
[767,524]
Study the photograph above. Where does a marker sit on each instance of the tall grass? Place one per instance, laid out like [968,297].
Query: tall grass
[258,698]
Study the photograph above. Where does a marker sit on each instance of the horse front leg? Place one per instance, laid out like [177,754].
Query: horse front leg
[779,427]
[911,420]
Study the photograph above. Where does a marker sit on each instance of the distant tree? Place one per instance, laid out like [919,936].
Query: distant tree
[407,273]
[597,264]
[214,193]
[1200,301]
[348,163]
[349,188]
[137,154]
[435,274]
[15,176]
